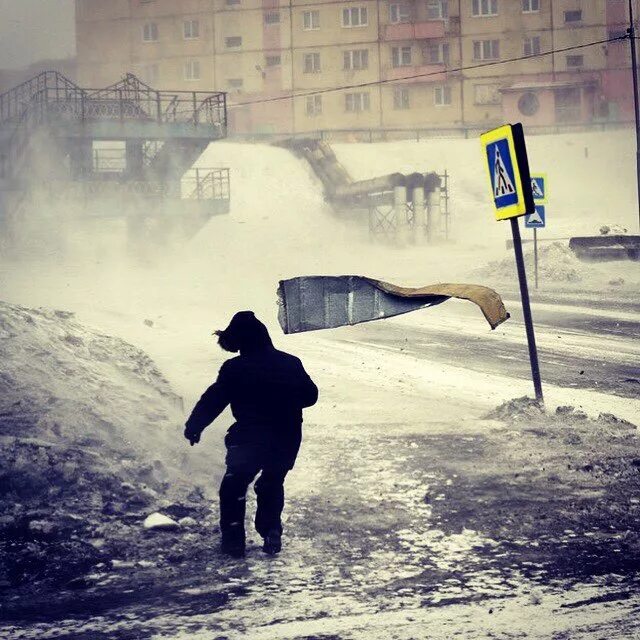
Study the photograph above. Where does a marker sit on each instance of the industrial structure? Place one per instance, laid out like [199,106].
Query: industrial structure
[124,152]
[401,63]
[410,208]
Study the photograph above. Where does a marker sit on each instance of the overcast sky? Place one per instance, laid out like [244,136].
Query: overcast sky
[32,30]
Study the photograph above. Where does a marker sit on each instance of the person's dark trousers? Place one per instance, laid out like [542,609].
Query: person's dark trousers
[233,490]
[269,490]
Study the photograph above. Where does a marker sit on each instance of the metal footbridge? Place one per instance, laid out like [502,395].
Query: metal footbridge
[126,150]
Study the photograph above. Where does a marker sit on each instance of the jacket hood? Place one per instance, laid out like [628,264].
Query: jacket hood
[245,333]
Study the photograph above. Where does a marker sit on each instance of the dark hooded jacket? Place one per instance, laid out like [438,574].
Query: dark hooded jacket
[266,388]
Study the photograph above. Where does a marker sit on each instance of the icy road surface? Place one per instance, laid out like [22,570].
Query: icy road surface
[578,346]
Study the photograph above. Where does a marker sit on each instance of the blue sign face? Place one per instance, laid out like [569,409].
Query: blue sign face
[539,187]
[536,220]
[502,174]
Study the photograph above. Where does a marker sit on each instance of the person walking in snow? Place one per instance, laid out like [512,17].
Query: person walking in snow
[267,390]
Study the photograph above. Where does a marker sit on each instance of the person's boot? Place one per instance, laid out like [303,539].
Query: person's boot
[272,542]
[233,541]
[233,548]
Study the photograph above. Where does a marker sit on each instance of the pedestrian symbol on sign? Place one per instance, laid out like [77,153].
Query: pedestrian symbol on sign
[501,179]
[537,190]
[508,171]
[539,187]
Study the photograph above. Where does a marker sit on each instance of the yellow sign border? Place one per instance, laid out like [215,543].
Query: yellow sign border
[519,208]
[544,200]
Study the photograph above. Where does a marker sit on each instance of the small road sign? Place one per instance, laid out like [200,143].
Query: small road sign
[509,177]
[539,187]
[537,219]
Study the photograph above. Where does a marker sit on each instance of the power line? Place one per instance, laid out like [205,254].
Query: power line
[372,83]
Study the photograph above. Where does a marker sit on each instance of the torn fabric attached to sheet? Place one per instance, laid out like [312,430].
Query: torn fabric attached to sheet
[308,303]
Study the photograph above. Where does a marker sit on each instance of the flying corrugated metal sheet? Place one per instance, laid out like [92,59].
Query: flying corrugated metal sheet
[308,303]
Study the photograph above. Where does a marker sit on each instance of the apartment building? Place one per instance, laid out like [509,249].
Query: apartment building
[397,63]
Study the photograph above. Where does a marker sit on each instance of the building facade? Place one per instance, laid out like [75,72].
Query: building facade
[361,64]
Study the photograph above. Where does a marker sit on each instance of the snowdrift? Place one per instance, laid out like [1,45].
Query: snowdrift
[89,430]
[556,263]
[64,385]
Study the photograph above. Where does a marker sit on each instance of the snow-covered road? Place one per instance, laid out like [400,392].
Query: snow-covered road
[578,347]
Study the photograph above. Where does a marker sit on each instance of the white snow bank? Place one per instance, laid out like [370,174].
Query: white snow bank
[556,263]
[67,387]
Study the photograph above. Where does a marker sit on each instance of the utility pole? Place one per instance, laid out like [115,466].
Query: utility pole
[634,70]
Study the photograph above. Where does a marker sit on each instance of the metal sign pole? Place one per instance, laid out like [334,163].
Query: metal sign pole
[526,309]
[535,253]
[634,70]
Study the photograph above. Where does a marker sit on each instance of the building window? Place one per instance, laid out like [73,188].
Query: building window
[311,20]
[272,17]
[487,94]
[482,8]
[486,49]
[531,45]
[354,17]
[314,105]
[530,6]
[355,102]
[573,16]
[399,13]
[230,2]
[311,63]
[272,61]
[150,32]
[401,98]
[401,56]
[191,29]
[356,59]
[233,41]
[150,73]
[437,53]
[437,9]
[235,83]
[442,96]
[575,61]
[192,70]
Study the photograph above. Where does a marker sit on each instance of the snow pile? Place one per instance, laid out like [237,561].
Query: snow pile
[89,431]
[64,384]
[523,408]
[613,230]
[529,410]
[556,263]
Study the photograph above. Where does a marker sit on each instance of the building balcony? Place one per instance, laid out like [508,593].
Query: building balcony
[424,73]
[414,30]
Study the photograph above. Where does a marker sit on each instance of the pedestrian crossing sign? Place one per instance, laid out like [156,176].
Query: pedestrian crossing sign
[537,219]
[539,187]
[509,177]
